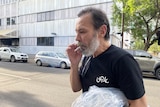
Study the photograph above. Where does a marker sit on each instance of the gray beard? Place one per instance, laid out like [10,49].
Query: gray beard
[94,44]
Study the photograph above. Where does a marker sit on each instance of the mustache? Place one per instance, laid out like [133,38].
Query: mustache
[80,44]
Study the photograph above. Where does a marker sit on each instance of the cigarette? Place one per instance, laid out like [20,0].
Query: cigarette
[77,49]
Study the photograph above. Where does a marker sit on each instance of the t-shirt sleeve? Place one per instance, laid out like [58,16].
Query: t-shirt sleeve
[129,77]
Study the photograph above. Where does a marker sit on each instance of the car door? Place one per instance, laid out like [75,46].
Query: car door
[5,53]
[145,60]
[53,59]
[44,57]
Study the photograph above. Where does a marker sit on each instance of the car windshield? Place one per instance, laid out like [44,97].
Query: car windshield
[61,55]
[14,50]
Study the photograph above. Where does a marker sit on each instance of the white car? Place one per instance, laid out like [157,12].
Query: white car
[12,54]
[51,58]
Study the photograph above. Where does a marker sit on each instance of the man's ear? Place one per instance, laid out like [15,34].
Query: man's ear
[103,30]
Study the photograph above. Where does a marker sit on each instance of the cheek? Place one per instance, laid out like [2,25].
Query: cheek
[87,38]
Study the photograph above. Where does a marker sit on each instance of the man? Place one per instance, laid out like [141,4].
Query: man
[104,65]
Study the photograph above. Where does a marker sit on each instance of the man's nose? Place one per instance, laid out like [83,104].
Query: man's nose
[78,38]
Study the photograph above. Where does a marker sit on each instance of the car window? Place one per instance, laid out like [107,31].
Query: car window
[14,50]
[61,55]
[142,54]
[52,54]
[44,54]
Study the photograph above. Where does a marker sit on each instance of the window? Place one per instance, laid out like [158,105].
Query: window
[13,20]
[142,54]
[9,42]
[8,21]
[52,15]
[39,17]
[43,16]
[48,15]
[45,41]
[0,23]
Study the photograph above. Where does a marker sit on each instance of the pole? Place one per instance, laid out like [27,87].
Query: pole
[122,28]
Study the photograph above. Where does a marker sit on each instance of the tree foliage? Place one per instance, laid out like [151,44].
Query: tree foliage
[138,44]
[154,48]
[141,19]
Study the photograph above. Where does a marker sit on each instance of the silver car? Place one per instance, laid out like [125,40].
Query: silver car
[148,63]
[51,58]
[12,54]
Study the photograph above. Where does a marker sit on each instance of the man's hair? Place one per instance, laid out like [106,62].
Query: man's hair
[99,18]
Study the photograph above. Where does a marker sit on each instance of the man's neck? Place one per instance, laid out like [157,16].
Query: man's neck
[103,47]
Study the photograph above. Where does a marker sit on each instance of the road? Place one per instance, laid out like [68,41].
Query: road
[27,85]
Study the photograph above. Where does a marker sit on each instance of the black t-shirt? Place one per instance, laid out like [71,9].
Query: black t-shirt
[113,68]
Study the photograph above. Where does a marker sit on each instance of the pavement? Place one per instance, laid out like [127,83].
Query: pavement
[31,58]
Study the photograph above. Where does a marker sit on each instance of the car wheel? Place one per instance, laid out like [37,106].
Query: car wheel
[157,74]
[13,59]
[39,63]
[63,65]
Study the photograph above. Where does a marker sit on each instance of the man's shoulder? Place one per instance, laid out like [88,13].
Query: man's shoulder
[114,50]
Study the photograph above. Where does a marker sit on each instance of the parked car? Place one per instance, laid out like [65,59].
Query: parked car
[12,54]
[51,58]
[148,63]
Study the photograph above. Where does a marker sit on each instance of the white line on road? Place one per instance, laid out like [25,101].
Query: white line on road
[16,76]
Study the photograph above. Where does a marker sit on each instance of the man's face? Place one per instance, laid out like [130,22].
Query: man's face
[87,36]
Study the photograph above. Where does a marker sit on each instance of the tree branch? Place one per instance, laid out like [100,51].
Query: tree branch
[154,40]
[156,29]
[142,17]
[152,17]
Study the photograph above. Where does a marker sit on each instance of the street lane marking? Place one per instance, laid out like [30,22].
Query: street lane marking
[16,76]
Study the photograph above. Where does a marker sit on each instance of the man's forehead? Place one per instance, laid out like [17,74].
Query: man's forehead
[83,21]
[84,17]
[82,25]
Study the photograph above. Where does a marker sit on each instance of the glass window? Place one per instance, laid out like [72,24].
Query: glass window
[39,17]
[52,15]
[33,18]
[8,21]
[13,20]
[142,54]
[0,23]
[43,16]
[48,15]
[45,41]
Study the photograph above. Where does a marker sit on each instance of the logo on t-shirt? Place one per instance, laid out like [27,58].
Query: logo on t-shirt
[102,79]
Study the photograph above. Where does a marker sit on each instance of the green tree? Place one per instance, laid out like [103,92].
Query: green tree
[141,19]
[138,44]
[155,48]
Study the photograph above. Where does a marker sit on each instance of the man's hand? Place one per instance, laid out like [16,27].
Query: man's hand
[74,54]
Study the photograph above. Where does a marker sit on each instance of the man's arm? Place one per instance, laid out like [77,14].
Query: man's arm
[141,102]
[75,79]
[74,57]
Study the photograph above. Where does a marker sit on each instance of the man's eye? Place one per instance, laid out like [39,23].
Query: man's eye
[82,31]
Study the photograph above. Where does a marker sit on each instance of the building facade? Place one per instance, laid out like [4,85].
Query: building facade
[35,25]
